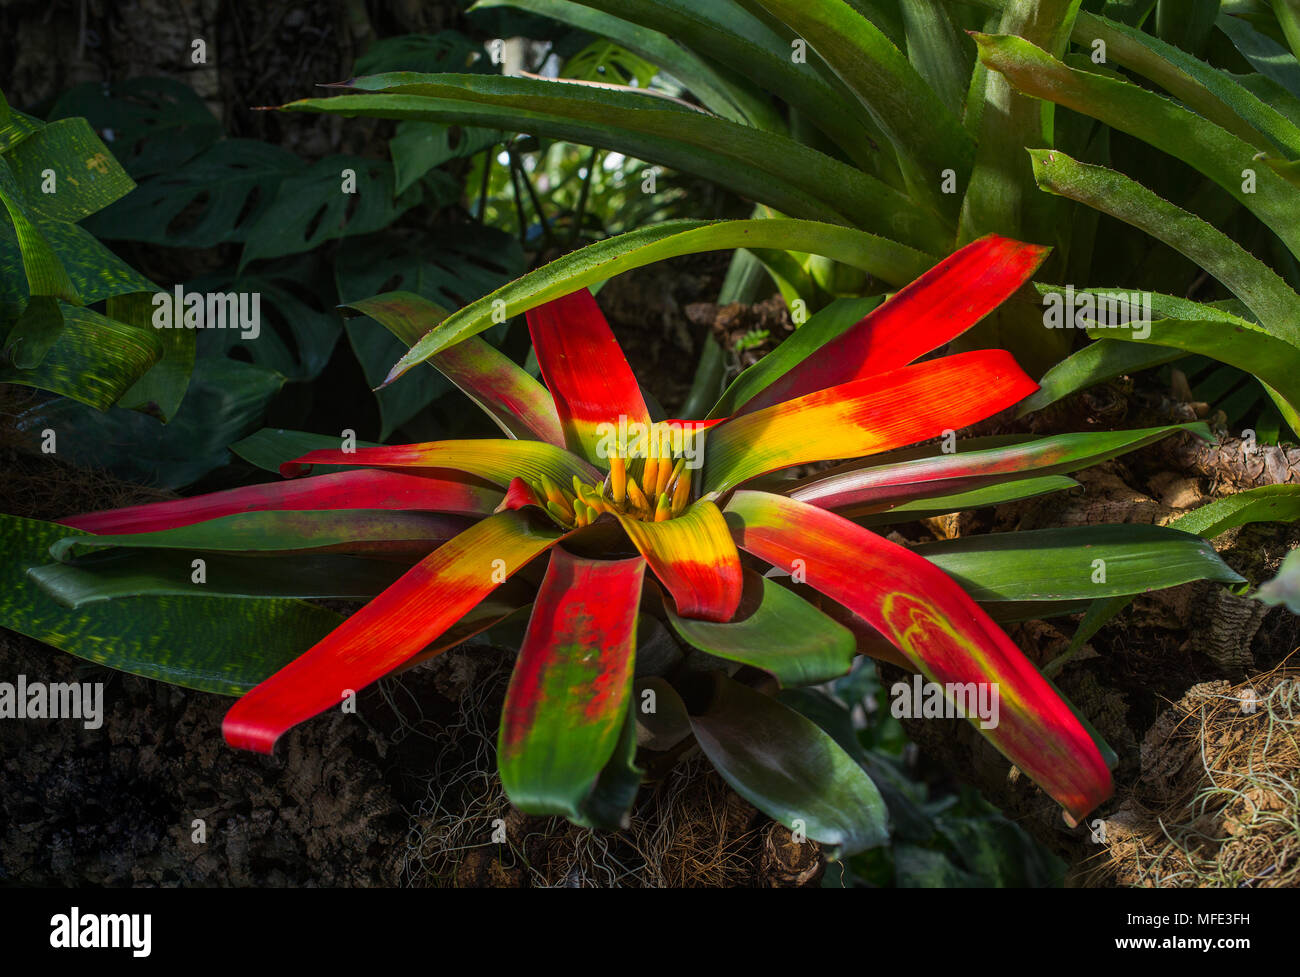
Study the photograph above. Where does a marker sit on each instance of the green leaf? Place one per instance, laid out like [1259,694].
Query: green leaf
[976,498]
[790,769]
[1153,118]
[96,272]
[892,90]
[34,333]
[44,271]
[160,573]
[1186,23]
[1267,56]
[1062,564]
[418,147]
[1267,295]
[217,197]
[610,802]
[1096,362]
[775,630]
[888,260]
[1001,196]
[763,166]
[1285,587]
[224,401]
[86,177]
[717,89]
[162,389]
[213,644]
[1267,503]
[153,125]
[317,206]
[94,359]
[1212,93]
[604,61]
[299,327]
[939,51]
[723,31]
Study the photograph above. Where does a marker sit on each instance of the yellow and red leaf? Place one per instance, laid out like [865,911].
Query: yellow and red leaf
[865,416]
[496,460]
[395,626]
[694,558]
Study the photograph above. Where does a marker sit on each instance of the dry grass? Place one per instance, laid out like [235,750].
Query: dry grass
[1219,802]
[688,829]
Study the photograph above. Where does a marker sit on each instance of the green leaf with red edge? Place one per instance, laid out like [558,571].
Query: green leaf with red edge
[874,488]
[519,405]
[874,414]
[585,371]
[393,628]
[566,704]
[790,768]
[940,629]
[776,630]
[496,460]
[936,308]
[294,531]
[694,558]
[360,489]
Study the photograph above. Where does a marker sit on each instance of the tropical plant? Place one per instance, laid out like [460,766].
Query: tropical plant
[74,316]
[896,123]
[281,228]
[589,490]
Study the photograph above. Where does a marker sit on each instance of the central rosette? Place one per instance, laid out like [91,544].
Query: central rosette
[651,467]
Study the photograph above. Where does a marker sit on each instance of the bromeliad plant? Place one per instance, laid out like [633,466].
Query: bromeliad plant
[589,491]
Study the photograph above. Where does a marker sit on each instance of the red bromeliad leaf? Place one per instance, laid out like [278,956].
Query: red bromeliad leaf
[567,700]
[398,624]
[938,627]
[497,460]
[519,404]
[520,495]
[694,558]
[936,308]
[866,416]
[585,370]
[867,488]
[340,490]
